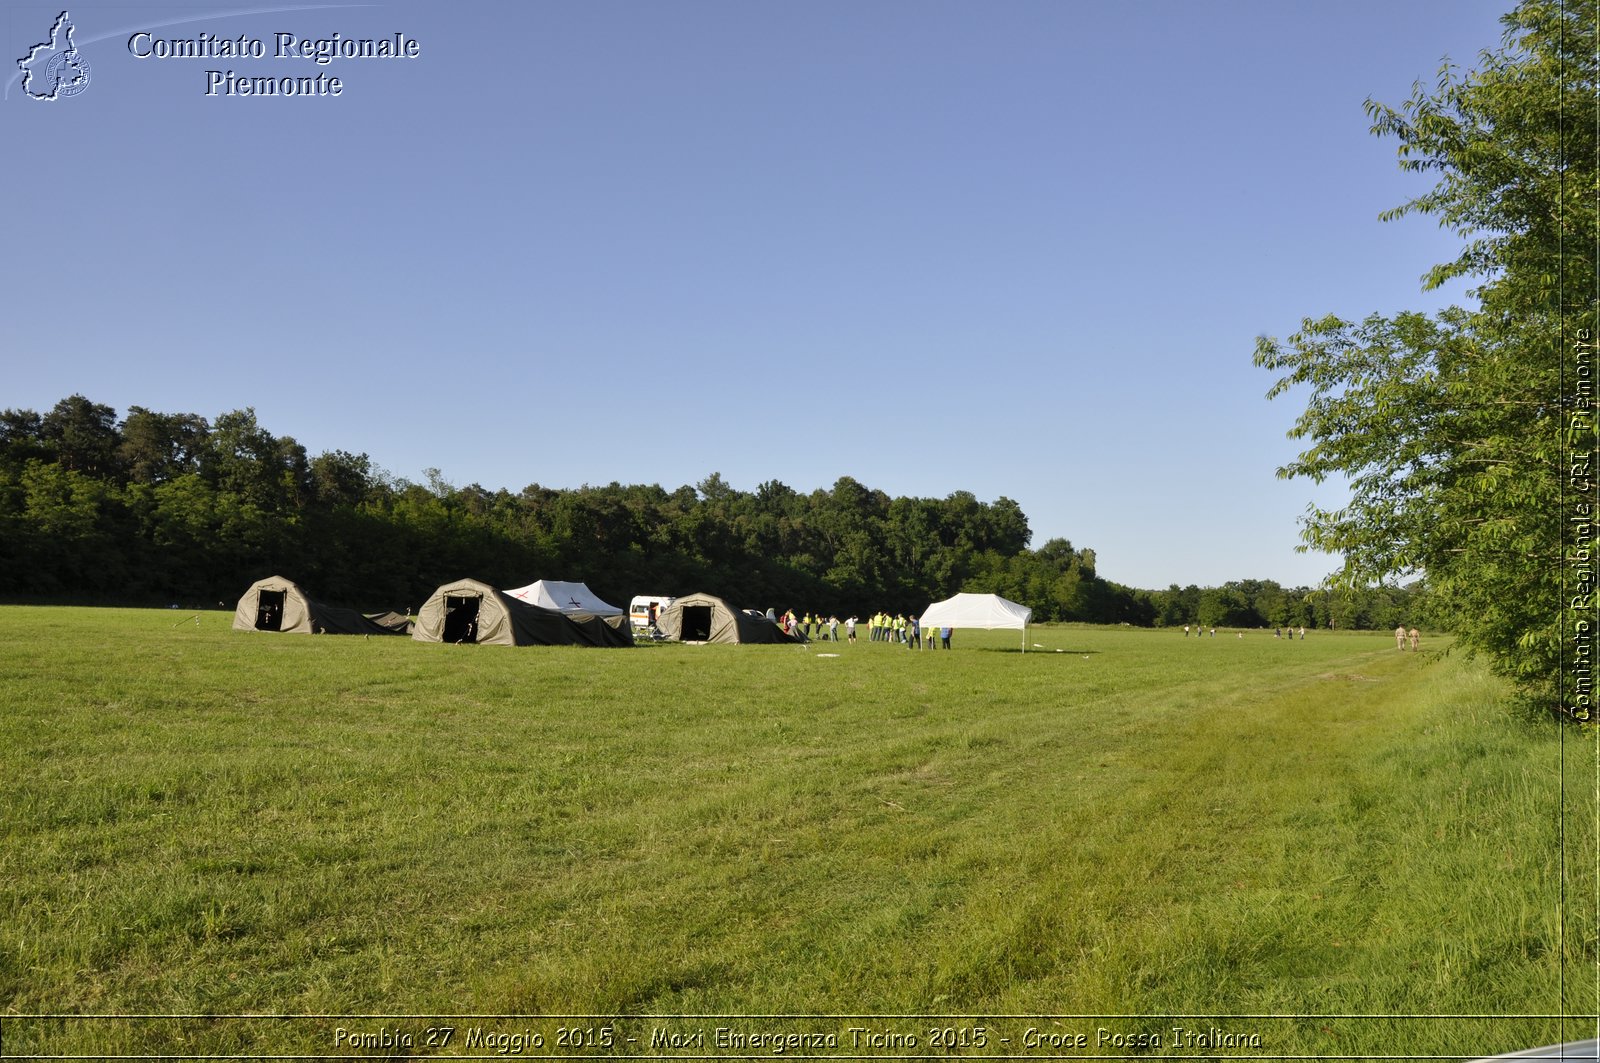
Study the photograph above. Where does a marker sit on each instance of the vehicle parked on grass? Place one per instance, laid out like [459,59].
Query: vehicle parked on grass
[644,609]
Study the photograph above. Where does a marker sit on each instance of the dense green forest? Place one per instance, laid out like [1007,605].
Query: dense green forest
[162,508]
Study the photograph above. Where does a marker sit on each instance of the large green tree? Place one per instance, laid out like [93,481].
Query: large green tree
[1460,432]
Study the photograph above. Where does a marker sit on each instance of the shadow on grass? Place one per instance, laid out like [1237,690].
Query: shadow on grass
[1032,651]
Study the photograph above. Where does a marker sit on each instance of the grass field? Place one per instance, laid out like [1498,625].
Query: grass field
[1331,846]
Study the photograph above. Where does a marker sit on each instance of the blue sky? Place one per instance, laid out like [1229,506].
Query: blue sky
[1018,248]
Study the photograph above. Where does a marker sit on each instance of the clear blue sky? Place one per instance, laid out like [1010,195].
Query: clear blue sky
[1017,248]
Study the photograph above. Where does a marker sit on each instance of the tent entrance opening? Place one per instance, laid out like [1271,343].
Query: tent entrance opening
[269,610]
[696,624]
[461,619]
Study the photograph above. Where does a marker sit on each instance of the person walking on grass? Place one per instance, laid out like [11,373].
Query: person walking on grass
[1400,637]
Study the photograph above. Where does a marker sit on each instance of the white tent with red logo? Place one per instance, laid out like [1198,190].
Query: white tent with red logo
[564,598]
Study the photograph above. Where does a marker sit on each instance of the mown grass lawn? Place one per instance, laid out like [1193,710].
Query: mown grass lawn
[1327,835]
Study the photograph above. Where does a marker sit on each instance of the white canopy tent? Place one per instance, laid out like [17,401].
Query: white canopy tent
[564,597]
[981,611]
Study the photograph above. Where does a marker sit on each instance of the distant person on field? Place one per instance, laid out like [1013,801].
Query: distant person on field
[1400,637]
[944,636]
[1302,632]
[1416,639]
[850,629]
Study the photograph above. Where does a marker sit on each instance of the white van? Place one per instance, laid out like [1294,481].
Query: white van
[646,607]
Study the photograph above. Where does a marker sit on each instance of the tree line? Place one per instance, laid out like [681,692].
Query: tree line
[159,508]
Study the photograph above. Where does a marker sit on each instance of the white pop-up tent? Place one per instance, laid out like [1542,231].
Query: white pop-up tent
[564,598]
[980,611]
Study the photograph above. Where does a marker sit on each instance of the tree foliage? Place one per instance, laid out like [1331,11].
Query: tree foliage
[173,506]
[1456,430]
[180,508]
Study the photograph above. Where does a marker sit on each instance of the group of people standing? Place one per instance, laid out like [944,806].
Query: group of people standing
[826,628]
[881,627]
[1277,632]
[906,631]
[1402,636]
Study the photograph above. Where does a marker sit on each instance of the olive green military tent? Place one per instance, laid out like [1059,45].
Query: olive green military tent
[603,630]
[278,604]
[705,618]
[470,611]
